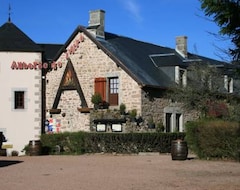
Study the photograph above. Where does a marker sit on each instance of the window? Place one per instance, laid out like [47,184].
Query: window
[19,100]
[173,122]
[168,119]
[173,118]
[181,76]
[108,89]
[178,122]
[228,84]
[113,91]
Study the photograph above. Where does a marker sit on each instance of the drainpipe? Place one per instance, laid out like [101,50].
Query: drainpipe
[43,110]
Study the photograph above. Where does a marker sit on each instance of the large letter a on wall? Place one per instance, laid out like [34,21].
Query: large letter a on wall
[69,82]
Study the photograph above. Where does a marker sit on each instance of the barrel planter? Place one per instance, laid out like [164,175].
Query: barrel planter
[35,147]
[179,150]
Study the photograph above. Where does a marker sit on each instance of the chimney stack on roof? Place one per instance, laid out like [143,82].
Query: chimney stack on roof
[96,23]
[181,45]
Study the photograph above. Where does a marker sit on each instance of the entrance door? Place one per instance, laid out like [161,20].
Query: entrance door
[178,116]
[168,122]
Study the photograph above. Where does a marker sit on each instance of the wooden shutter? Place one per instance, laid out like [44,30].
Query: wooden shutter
[100,87]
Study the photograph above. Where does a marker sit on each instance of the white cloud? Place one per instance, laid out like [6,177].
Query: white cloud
[134,9]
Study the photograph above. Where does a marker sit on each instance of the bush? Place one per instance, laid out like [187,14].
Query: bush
[83,142]
[122,108]
[69,143]
[214,139]
[96,98]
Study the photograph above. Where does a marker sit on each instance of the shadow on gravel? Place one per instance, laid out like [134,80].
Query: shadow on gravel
[5,163]
[191,158]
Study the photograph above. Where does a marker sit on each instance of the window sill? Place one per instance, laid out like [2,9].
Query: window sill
[84,110]
[55,111]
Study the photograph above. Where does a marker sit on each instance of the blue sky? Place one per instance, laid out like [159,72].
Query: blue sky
[154,21]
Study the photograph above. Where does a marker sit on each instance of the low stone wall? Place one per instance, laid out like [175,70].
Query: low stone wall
[109,117]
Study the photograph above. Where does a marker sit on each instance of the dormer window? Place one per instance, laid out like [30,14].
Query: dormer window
[228,84]
[180,76]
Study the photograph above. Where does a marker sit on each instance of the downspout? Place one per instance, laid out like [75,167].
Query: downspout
[43,86]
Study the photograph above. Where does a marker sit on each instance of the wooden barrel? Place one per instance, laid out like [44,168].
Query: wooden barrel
[179,149]
[35,147]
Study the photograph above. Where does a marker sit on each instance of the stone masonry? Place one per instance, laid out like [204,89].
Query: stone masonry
[89,63]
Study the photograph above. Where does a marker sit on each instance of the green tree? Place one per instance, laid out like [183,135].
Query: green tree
[204,84]
[226,14]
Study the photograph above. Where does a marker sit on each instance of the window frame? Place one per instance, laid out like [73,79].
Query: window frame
[24,105]
[113,90]
[181,76]
[228,83]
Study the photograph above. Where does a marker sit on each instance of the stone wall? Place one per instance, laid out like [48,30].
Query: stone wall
[155,105]
[89,63]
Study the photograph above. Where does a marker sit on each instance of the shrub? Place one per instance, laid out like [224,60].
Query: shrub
[133,114]
[96,98]
[69,143]
[122,108]
[83,142]
[214,139]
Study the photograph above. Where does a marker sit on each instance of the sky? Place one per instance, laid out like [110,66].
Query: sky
[153,21]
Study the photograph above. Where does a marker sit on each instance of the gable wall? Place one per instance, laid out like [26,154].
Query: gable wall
[20,125]
[89,63]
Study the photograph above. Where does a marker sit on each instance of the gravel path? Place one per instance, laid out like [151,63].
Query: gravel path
[116,172]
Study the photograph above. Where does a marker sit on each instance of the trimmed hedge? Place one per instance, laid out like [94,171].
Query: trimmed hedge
[214,139]
[83,142]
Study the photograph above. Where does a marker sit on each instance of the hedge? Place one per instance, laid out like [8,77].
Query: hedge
[84,142]
[214,139]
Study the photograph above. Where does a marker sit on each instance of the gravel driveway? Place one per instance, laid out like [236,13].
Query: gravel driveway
[116,172]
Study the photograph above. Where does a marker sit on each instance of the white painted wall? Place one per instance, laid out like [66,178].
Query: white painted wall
[20,126]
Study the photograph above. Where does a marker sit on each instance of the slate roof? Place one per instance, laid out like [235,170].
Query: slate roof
[135,55]
[141,60]
[146,60]
[13,39]
[50,50]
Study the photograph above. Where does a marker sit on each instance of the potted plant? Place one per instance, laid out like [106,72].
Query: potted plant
[151,124]
[122,109]
[103,105]
[96,100]
[133,114]
[160,127]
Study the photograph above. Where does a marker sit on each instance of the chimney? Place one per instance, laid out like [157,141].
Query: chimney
[181,45]
[96,23]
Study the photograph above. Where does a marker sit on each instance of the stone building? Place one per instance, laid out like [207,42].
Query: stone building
[49,87]
[122,70]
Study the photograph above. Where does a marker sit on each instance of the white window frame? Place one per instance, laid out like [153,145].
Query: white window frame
[180,76]
[174,111]
[228,83]
[13,99]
